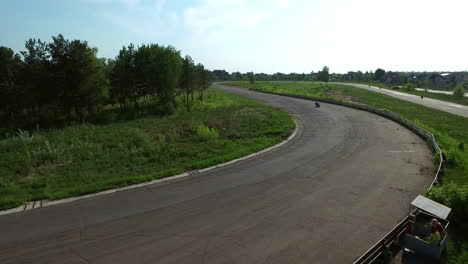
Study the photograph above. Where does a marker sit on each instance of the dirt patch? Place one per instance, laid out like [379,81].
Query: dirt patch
[250,112]
[343,97]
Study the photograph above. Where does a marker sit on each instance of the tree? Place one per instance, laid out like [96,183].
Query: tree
[123,78]
[459,91]
[10,66]
[379,74]
[78,75]
[324,75]
[251,77]
[39,89]
[410,86]
[221,75]
[188,81]
[203,80]
[159,70]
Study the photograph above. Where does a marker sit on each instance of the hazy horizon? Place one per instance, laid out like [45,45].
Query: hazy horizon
[260,36]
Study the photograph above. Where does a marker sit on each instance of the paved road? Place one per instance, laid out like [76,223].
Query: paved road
[437,91]
[325,197]
[452,108]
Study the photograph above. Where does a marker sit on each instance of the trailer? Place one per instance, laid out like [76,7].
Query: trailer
[421,237]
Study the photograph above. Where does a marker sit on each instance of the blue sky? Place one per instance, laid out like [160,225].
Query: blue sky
[259,35]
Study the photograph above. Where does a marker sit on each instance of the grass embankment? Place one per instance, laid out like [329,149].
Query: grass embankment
[87,158]
[438,96]
[450,131]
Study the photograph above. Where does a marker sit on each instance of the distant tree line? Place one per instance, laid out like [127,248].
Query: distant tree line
[64,81]
[222,75]
[433,80]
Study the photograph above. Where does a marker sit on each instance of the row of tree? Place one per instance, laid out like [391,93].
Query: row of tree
[433,80]
[64,80]
[60,77]
[323,75]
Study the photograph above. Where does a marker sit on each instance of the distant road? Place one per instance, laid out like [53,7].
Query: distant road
[438,91]
[324,197]
[452,108]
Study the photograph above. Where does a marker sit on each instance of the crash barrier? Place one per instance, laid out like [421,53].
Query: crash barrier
[381,250]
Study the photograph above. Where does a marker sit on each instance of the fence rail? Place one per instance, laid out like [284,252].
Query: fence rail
[377,253]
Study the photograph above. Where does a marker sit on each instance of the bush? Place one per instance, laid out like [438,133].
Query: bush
[410,86]
[453,158]
[454,196]
[457,253]
[205,133]
[459,91]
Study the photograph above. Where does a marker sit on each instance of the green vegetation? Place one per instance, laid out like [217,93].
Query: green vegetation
[409,87]
[450,131]
[251,77]
[379,74]
[73,123]
[459,91]
[58,83]
[324,74]
[86,158]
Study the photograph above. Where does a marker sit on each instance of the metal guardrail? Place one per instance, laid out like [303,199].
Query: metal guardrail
[378,252]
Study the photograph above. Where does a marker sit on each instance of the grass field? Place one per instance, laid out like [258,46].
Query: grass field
[87,158]
[450,131]
[442,97]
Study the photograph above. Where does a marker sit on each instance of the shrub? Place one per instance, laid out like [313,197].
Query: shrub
[459,91]
[205,133]
[410,86]
[137,138]
[454,196]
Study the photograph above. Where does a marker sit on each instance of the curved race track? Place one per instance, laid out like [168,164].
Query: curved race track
[325,197]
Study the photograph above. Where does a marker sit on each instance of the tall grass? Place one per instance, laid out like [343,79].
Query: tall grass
[206,134]
[85,158]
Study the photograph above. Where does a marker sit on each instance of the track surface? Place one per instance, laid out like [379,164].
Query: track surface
[325,197]
[456,109]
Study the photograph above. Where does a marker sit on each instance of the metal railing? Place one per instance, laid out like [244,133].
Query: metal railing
[378,252]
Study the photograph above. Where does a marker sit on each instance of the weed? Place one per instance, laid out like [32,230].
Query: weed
[205,133]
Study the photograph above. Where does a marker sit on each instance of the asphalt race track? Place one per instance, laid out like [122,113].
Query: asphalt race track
[325,197]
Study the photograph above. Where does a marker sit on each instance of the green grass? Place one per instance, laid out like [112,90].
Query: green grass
[450,131]
[442,97]
[86,158]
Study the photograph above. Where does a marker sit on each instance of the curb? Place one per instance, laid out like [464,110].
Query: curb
[45,203]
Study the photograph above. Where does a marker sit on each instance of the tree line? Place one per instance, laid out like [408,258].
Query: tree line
[223,75]
[65,81]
